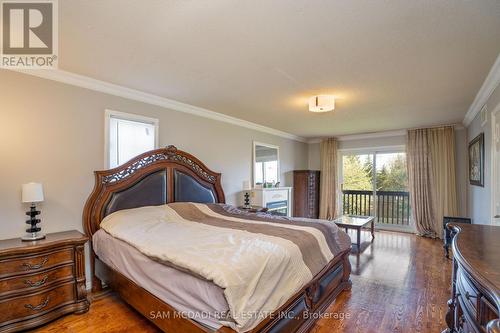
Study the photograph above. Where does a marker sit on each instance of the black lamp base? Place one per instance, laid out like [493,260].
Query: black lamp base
[247,200]
[33,233]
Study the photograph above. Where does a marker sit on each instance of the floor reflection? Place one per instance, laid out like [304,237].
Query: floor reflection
[393,256]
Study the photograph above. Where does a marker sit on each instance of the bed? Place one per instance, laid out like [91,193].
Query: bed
[170,181]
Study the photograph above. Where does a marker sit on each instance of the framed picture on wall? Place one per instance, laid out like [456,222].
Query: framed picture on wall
[476,160]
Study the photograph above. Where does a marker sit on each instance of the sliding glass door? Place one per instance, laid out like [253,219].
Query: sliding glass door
[375,183]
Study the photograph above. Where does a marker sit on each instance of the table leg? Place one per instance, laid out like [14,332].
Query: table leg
[359,239]
[373,230]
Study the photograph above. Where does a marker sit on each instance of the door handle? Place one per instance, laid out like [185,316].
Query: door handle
[496,216]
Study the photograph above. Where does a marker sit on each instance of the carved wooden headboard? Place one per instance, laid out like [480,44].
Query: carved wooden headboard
[154,178]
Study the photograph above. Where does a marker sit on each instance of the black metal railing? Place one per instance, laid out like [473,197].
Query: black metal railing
[393,207]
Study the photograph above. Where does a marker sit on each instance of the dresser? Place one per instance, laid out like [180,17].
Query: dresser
[306,193]
[41,280]
[475,301]
[277,200]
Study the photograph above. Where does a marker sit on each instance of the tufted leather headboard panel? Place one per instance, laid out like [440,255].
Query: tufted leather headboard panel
[187,189]
[149,191]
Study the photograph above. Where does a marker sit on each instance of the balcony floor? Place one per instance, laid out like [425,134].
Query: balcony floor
[401,283]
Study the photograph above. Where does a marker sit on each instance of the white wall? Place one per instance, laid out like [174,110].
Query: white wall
[479,198]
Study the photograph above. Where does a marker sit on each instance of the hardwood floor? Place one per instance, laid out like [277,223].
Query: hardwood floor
[401,283]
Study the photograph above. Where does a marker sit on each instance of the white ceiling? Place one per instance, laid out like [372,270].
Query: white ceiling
[392,64]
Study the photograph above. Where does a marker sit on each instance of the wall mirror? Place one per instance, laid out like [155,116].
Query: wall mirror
[266,165]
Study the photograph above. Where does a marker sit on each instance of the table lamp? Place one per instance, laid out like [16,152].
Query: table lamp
[32,193]
[247,188]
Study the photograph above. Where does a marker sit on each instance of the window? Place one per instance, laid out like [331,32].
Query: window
[259,172]
[271,171]
[128,135]
[266,170]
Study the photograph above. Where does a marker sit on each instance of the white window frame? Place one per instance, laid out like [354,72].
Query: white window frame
[108,114]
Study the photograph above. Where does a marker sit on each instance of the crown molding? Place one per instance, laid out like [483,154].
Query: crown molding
[140,96]
[489,85]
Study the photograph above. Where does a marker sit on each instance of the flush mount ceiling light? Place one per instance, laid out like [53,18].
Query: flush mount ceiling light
[322,103]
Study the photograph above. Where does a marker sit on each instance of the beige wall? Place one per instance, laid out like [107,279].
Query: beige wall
[53,133]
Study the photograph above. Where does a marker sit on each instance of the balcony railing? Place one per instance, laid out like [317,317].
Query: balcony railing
[393,207]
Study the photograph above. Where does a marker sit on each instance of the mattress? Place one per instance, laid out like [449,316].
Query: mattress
[192,296]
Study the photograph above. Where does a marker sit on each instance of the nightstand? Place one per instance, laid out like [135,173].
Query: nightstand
[41,280]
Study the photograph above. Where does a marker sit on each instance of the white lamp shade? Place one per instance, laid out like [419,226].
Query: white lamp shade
[32,192]
[322,103]
[246,185]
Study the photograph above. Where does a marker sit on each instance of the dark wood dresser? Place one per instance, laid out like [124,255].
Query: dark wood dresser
[41,280]
[475,302]
[306,193]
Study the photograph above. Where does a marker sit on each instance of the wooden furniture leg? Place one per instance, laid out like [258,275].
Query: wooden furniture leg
[446,250]
[358,239]
[373,229]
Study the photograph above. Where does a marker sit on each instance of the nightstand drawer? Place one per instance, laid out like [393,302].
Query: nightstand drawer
[276,195]
[36,263]
[22,307]
[32,282]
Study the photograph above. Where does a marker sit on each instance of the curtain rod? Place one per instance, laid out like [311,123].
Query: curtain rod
[455,126]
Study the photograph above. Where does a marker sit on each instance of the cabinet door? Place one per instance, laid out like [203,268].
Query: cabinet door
[300,201]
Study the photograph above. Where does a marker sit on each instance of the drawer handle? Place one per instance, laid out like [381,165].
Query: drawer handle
[37,283]
[29,267]
[39,306]
[469,296]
